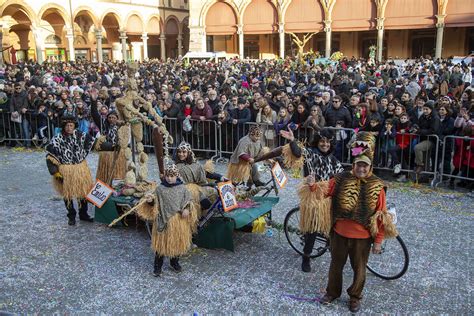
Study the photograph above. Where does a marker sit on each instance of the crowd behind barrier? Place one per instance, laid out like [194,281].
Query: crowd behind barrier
[450,159]
[421,111]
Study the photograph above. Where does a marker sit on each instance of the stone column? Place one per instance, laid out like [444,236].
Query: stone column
[163,46]
[240,33]
[439,35]
[380,31]
[37,33]
[123,38]
[145,45]
[327,29]
[180,45]
[1,46]
[98,38]
[281,33]
[70,42]
[137,51]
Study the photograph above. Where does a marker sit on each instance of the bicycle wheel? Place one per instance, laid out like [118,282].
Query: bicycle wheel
[296,238]
[392,263]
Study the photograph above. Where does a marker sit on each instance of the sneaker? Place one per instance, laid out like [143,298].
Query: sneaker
[35,137]
[402,178]
[397,169]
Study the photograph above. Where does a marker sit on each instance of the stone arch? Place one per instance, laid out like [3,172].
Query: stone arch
[8,8]
[259,17]
[406,14]
[110,22]
[303,16]
[21,21]
[87,11]
[354,15]
[153,25]
[134,23]
[55,23]
[221,19]
[59,9]
[113,13]
[211,3]
[174,25]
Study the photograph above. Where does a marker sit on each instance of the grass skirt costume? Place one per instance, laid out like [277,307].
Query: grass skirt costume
[240,170]
[112,162]
[171,233]
[315,206]
[66,154]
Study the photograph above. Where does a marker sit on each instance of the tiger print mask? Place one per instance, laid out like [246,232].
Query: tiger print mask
[364,145]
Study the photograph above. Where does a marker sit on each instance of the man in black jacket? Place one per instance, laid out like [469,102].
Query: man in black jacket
[428,124]
[337,112]
[19,107]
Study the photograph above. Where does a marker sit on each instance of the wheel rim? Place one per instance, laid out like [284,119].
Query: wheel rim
[292,231]
[296,238]
[392,263]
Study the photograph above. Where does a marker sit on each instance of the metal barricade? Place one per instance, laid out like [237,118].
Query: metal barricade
[228,136]
[203,137]
[403,150]
[343,140]
[459,157]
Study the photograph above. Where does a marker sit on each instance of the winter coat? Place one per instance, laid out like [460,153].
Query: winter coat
[332,115]
[463,156]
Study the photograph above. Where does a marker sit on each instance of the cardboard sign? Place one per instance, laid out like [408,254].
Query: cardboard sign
[279,174]
[227,194]
[99,194]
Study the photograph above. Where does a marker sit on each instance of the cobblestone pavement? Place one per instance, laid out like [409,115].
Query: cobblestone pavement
[47,266]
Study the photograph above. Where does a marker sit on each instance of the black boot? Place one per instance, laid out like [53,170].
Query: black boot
[309,240]
[71,212]
[174,264]
[157,265]
[83,216]
[306,264]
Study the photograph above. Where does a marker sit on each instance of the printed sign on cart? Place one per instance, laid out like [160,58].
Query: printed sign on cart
[279,175]
[99,194]
[227,194]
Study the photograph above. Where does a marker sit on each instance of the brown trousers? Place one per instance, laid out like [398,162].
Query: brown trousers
[358,251]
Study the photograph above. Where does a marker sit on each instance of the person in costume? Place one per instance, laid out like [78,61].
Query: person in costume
[196,176]
[320,165]
[174,218]
[360,221]
[242,167]
[112,162]
[66,161]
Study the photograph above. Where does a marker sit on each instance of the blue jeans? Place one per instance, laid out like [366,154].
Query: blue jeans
[25,131]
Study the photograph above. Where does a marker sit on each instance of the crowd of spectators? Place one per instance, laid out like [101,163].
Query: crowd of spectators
[407,104]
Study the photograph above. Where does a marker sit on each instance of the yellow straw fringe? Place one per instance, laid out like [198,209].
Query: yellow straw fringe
[239,172]
[53,160]
[99,142]
[209,166]
[315,209]
[390,230]
[176,239]
[77,181]
[148,212]
[289,160]
[106,165]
